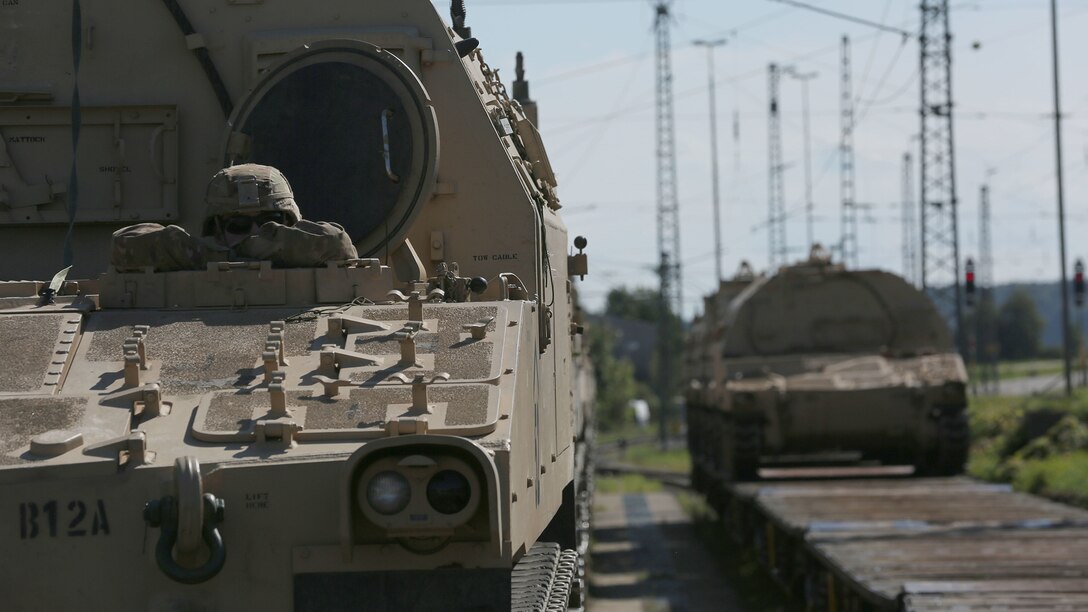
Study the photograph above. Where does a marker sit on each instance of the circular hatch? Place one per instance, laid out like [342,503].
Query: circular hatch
[352,129]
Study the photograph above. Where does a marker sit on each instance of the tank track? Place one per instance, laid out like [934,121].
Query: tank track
[948,456]
[584,527]
[747,448]
[544,580]
[954,445]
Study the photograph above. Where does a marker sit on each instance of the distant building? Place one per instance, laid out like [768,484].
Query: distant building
[641,409]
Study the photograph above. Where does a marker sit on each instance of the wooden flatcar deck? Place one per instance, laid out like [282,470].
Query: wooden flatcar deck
[925,543]
[1016,596]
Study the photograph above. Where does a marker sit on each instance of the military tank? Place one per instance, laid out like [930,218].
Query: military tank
[819,364]
[402,430]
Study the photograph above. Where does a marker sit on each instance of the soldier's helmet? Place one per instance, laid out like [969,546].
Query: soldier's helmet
[249,189]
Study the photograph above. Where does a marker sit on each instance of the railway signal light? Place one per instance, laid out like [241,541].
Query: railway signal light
[1078,283]
[970,282]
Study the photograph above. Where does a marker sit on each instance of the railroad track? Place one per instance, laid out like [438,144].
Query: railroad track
[639,440]
[666,477]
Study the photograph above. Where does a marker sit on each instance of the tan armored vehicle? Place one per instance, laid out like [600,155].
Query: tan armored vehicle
[819,364]
[397,431]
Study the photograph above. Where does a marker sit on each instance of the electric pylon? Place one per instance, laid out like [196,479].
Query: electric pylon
[986,313]
[776,193]
[910,254]
[849,240]
[940,233]
[670,297]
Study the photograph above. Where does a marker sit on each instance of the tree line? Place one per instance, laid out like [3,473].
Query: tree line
[1018,326]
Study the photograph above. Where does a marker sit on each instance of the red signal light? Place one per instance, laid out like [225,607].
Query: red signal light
[970,282]
[1078,283]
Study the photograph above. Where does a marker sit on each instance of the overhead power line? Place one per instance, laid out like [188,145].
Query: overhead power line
[838,15]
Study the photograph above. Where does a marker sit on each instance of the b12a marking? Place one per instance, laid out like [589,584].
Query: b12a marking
[43,520]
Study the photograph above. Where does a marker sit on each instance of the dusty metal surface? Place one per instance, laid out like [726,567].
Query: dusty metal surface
[451,348]
[199,352]
[23,418]
[26,349]
[231,412]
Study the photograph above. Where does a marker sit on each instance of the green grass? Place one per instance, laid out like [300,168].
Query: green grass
[1007,370]
[651,456]
[627,483]
[1038,444]
[695,506]
[1063,477]
[626,432]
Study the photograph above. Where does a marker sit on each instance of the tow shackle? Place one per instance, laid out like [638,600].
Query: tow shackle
[184,521]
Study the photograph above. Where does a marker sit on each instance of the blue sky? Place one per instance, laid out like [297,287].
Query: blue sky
[590,65]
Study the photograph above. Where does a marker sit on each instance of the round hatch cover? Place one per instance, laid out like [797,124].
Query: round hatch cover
[352,129]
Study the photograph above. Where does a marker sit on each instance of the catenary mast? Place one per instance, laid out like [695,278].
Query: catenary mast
[939,203]
[670,297]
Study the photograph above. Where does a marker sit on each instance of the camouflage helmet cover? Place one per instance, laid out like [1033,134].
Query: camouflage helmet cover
[249,188]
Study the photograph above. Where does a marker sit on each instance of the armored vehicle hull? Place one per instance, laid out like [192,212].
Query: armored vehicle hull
[819,364]
[402,430]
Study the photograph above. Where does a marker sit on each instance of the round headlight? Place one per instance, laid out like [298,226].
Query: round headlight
[388,492]
[448,492]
